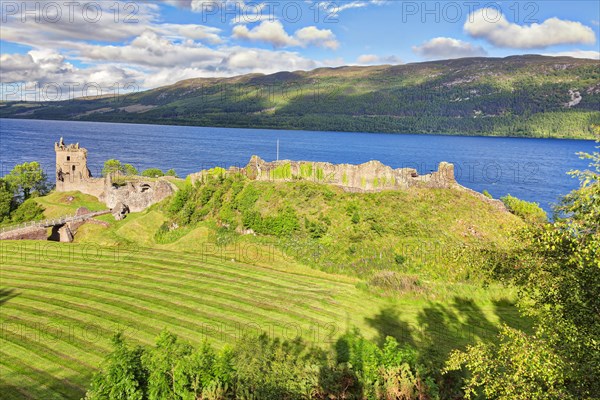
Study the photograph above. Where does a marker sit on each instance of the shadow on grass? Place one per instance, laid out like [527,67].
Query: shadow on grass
[7,294]
[388,323]
[508,313]
[440,328]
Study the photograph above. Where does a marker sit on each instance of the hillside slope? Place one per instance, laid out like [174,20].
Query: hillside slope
[530,96]
[61,303]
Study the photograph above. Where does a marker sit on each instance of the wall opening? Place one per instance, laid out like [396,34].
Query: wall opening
[68,158]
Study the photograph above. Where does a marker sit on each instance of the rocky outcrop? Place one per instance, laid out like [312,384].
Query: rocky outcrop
[372,176]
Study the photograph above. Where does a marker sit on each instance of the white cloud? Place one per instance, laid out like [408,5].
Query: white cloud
[594,55]
[268,31]
[150,52]
[488,24]
[319,37]
[40,31]
[274,33]
[372,59]
[445,48]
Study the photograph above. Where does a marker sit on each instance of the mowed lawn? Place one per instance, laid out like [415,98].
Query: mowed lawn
[61,303]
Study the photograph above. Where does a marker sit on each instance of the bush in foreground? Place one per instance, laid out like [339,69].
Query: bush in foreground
[258,367]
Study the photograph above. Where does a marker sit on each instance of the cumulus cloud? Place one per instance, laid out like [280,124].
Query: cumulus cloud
[148,53]
[42,30]
[274,33]
[268,31]
[445,48]
[489,24]
[372,59]
[318,37]
[592,54]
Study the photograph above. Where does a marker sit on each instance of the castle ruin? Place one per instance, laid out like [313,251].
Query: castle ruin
[72,172]
[133,193]
[372,176]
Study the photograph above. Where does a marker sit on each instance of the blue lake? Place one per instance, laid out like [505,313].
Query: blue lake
[531,169]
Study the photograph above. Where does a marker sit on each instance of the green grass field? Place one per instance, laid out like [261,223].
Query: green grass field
[60,304]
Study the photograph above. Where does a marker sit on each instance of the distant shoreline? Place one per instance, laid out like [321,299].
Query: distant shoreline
[170,123]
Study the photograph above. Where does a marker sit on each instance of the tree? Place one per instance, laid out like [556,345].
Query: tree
[122,376]
[557,272]
[6,201]
[112,166]
[27,179]
[130,170]
[152,172]
[171,172]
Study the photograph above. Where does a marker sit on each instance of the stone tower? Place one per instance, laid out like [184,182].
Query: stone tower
[72,172]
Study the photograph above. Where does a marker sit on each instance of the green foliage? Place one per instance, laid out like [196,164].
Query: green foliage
[130,170]
[171,172]
[557,272]
[113,166]
[516,366]
[487,194]
[152,173]
[28,211]
[258,367]
[316,229]
[530,212]
[122,375]
[283,224]
[6,201]
[27,179]
[282,172]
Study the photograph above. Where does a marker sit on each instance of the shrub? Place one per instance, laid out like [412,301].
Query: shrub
[258,367]
[130,170]
[530,212]
[393,281]
[152,173]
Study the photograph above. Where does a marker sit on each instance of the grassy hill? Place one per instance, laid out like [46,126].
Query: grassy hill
[527,96]
[61,303]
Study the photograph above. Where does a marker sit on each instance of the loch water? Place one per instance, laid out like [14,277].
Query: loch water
[531,169]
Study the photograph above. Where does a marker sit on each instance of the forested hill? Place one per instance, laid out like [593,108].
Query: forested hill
[533,96]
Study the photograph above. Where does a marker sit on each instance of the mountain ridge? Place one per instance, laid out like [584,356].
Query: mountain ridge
[523,96]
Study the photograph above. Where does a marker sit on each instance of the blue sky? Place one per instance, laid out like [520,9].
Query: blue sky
[154,43]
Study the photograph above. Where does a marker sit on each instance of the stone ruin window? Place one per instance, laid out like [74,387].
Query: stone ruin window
[68,158]
[73,168]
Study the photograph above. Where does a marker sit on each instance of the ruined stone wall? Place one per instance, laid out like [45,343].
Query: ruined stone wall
[137,194]
[372,176]
[29,233]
